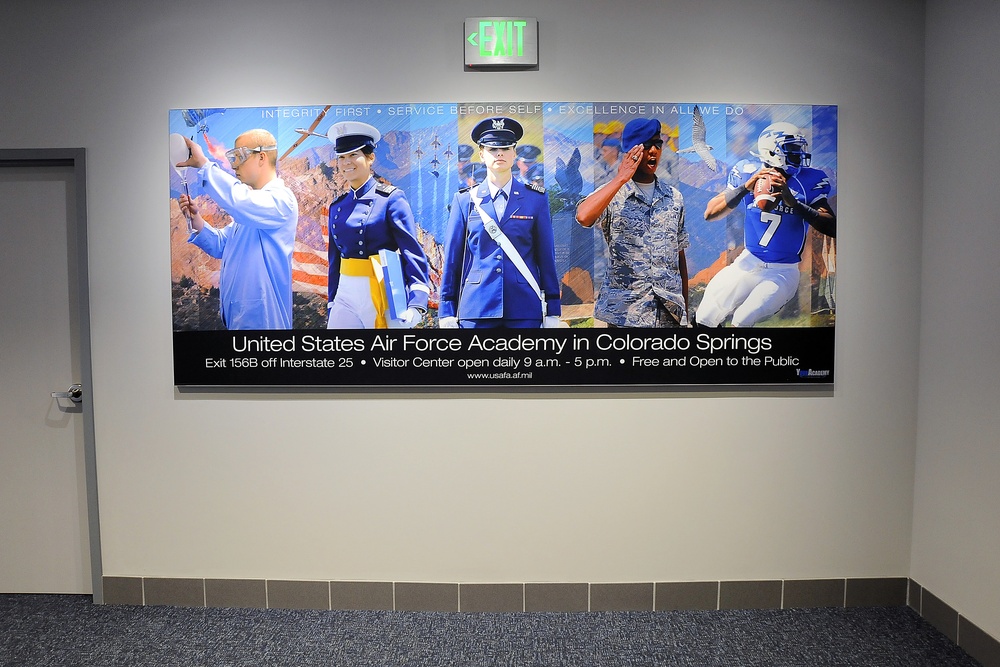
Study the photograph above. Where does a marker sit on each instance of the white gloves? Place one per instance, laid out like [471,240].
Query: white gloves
[549,322]
[410,318]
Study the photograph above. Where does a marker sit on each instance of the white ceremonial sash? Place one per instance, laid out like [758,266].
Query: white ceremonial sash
[493,229]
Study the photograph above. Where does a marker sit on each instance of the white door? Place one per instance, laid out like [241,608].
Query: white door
[44,527]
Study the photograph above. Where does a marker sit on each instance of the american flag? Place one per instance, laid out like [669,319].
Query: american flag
[310,267]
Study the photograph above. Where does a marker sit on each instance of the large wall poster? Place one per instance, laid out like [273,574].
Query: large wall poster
[567,150]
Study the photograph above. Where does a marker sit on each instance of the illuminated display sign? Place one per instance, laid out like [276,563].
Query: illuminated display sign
[501,43]
[648,296]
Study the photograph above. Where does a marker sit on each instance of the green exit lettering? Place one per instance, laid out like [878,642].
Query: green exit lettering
[500,38]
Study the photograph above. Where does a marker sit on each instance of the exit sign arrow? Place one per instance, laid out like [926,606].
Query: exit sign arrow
[493,42]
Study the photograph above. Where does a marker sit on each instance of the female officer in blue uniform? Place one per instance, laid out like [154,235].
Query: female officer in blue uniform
[499,263]
[370,217]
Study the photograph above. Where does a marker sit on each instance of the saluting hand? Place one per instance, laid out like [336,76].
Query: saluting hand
[593,205]
[630,162]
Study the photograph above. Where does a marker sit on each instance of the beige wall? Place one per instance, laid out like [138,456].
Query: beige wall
[956,536]
[543,487]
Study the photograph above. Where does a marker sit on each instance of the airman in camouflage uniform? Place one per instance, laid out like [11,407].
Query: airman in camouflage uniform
[643,280]
[643,222]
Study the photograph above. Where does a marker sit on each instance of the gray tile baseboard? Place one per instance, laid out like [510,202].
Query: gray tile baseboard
[977,643]
[875,592]
[686,596]
[422,596]
[750,594]
[962,631]
[362,595]
[493,598]
[621,597]
[123,590]
[805,593]
[247,593]
[559,597]
[161,591]
[298,594]
[499,597]
[556,597]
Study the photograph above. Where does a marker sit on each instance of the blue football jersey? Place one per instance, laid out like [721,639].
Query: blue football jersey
[779,235]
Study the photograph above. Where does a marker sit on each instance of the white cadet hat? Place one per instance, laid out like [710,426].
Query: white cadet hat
[351,135]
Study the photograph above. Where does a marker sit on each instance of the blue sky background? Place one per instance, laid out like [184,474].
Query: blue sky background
[732,130]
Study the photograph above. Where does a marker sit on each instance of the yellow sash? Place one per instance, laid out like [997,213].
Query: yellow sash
[369,268]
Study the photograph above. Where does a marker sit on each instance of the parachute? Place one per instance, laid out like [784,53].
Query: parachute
[196,117]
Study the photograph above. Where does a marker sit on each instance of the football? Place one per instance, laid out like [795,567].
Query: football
[765,195]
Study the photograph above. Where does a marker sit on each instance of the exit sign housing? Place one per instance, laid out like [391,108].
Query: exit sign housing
[501,43]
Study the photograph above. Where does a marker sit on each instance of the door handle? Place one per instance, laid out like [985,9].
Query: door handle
[74,393]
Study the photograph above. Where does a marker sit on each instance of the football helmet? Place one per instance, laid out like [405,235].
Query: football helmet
[784,147]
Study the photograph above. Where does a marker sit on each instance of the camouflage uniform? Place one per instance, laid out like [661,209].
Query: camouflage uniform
[642,286]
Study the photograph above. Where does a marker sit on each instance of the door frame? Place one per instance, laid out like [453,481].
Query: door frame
[77,159]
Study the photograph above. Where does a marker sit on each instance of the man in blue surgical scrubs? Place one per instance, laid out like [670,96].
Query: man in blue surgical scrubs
[255,282]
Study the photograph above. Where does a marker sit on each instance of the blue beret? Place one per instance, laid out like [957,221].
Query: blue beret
[614,143]
[639,131]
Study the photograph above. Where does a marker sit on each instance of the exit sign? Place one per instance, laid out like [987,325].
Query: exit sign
[501,43]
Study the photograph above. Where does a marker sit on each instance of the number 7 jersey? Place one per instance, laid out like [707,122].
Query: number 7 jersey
[779,235]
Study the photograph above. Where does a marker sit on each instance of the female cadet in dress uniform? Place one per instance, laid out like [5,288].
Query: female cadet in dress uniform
[499,263]
[370,217]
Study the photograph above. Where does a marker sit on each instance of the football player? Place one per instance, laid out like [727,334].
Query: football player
[765,276]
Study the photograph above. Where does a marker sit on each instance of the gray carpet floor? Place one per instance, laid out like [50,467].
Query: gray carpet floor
[43,630]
